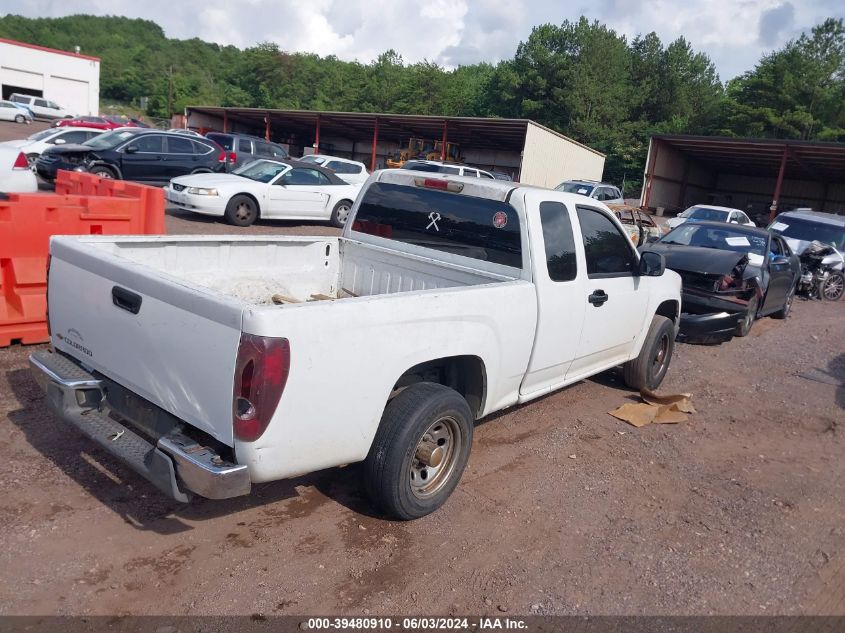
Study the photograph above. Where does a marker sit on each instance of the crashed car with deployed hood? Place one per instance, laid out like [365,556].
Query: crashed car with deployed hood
[731,275]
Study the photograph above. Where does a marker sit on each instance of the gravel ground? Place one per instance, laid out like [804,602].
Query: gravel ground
[562,510]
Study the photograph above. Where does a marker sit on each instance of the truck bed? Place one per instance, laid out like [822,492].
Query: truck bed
[195,295]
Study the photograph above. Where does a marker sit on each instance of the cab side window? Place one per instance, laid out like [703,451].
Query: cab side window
[559,242]
[608,250]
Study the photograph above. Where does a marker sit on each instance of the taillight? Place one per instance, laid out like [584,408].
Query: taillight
[21,162]
[261,373]
[233,157]
[222,157]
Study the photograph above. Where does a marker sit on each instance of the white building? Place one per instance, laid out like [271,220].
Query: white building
[70,79]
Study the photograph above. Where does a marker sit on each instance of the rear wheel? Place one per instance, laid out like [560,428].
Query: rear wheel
[341,213]
[832,288]
[787,305]
[30,160]
[420,450]
[19,118]
[102,172]
[744,326]
[241,211]
[649,369]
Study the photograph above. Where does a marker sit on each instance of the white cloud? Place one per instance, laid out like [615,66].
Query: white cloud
[733,33]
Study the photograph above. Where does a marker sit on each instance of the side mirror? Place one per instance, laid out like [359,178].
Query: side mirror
[131,149]
[59,141]
[652,264]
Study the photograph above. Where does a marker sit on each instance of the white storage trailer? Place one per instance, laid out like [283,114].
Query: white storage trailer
[523,149]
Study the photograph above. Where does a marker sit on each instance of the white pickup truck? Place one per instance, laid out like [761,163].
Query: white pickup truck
[212,363]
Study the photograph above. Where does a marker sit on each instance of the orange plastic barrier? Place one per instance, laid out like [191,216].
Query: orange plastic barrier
[98,207]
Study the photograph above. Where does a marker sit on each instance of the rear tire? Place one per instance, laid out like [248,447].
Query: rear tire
[419,452]
[340,213]
[833,287]
[241,211]
[649,369]
[787,305]
[744,326]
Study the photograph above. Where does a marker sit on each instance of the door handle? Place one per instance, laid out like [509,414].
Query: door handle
[598,298]
[126,299]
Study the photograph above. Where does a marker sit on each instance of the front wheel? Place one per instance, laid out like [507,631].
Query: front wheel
[19,118]
[649,369]
[744,326]
[340,213]
[832,288]
[103,172]
[241,211]
[420,450]
[30,160]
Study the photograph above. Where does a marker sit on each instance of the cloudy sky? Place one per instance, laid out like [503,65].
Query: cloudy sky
[452,32]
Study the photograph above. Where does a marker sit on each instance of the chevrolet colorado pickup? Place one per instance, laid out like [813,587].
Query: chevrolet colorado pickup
[209,364]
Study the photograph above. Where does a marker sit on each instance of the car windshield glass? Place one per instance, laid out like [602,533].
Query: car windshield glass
[575,187]
[705,213]
[313,159]
[223,140]
[716,237]
[108,140]
[808,230]
[40,136]
[261,170]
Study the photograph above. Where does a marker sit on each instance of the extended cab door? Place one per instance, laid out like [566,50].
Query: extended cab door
[560,291]
[614,297]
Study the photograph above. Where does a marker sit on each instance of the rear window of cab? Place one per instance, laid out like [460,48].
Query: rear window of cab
[479,228]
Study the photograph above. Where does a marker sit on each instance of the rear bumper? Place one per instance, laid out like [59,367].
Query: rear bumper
[174,463]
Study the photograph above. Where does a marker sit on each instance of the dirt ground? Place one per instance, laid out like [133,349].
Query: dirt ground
[562,510]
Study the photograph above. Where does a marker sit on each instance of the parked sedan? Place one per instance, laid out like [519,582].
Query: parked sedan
[141,155]
[351,171]
[35,144]
[15,174]
[277,189]
[711,213]
[732,275]
[10,111]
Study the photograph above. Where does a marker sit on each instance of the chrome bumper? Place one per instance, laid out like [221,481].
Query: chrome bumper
[175,463]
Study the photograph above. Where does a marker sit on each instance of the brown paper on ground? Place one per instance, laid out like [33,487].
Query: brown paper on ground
[656,409]
[682,401]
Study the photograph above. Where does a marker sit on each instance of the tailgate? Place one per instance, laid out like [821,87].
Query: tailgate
[170,343]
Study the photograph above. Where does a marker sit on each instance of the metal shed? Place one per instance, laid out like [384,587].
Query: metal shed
[525,150]
[759,176]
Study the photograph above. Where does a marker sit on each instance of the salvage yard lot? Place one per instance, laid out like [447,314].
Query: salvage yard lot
[563,509]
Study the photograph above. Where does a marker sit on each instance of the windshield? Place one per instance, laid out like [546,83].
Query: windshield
[808,230]
[313,159]
[40,136]
[705,213]
[261,170]
[109,139]
[223,140]
[719,238]
[575,187]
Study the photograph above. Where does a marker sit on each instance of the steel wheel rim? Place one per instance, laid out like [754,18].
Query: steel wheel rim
[343,213]
[427,480]
[105,174]
[661,356]
[243,211]
[833,288]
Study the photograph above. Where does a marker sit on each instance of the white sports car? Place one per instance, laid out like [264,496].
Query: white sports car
[269,189]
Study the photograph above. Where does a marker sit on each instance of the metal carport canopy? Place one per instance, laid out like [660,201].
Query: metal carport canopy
[481,133]
[763,157]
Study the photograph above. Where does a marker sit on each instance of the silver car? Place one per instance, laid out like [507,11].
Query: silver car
[601,191]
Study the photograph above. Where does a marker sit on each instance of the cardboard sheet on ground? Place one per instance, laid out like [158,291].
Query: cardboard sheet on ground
[655,409]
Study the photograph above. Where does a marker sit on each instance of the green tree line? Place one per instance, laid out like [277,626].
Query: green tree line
[580,78]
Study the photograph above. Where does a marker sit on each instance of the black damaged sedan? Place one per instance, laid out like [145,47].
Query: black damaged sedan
[732,275]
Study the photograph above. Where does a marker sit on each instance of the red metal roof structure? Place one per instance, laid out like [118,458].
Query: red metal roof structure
[49,50]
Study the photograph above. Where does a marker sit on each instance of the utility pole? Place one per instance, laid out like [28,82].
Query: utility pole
[170,94]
